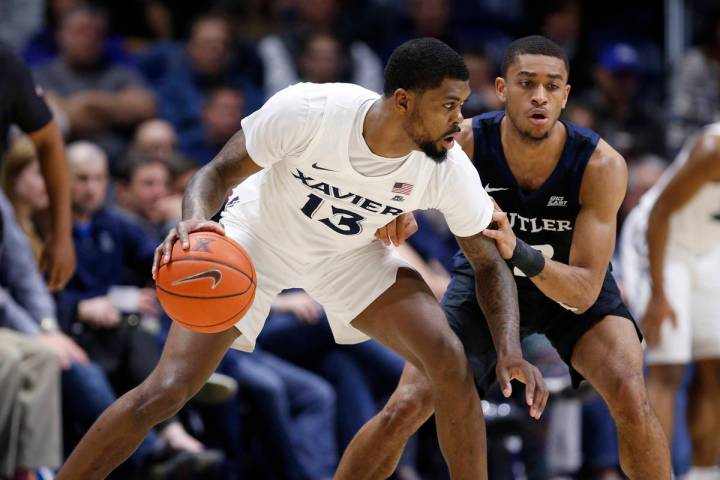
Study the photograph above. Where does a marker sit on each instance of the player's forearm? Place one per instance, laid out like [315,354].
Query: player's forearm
[573,287]
[496,294]
[657,235]
[204,195]
[51,155]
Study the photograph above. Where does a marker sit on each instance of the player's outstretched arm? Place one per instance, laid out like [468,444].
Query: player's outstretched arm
[701,167]
[497,296]
[205,195]
[575,285]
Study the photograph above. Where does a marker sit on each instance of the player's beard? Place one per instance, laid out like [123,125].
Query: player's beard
[431,149]
[428,147]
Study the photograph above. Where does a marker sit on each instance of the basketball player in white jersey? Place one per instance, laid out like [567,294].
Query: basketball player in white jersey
[320,168]
[670,249]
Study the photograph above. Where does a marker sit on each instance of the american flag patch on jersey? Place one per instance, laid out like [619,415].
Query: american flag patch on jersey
[402,188]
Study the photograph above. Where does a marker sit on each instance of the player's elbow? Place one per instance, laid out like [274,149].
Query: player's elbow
[585,297]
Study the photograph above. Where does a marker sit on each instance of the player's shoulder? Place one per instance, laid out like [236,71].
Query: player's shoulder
[606,170]
[704,152]
[606,165]
[304,97]
[335,90]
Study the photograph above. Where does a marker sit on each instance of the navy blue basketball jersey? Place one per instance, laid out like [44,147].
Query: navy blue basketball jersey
[544,218]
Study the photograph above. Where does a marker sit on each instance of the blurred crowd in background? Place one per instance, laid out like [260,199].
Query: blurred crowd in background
[147,91]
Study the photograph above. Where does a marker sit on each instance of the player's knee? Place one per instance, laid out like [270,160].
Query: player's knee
[402,416]
[628,400]
[157,401]
[669,376]
[448,363]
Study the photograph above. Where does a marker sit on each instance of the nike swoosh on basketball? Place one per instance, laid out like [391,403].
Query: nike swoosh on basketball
[315,165]
[490,189]
[215,275]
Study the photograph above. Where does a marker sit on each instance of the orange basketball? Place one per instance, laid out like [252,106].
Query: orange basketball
[209,287]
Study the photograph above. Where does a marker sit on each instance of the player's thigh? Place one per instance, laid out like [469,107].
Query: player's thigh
[609,354]
[275,271]
[408,319]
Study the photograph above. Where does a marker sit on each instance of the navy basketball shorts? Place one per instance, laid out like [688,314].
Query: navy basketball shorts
[538,314]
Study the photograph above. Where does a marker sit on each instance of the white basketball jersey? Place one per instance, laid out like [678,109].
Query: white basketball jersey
[309,198]
[696,227]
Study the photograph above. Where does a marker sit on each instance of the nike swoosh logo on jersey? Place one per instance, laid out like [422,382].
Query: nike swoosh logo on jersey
[490,189]
[315,165]
[213,274]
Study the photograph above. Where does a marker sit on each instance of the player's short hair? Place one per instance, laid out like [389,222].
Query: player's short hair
[422,64]
[532,45]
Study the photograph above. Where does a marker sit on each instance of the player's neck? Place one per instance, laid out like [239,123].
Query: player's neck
[383,133]
[522,152]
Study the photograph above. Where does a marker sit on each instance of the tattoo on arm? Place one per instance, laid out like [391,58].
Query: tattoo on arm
[496,292]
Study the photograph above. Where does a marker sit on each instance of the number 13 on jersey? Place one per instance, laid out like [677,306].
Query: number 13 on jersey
[344,222]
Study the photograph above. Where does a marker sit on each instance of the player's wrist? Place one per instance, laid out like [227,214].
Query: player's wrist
[527,259]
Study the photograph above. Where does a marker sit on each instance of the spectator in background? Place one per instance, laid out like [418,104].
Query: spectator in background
[210,60]
[299,46]
[86,391]
[99,100]
[421,18]
[142,191]
[32,350]
[482,83]
[295,410]
[627,123]
[22,182]
[222,111]
[321,59]
[156,138]
[695,85]
[21,103]
[42,46]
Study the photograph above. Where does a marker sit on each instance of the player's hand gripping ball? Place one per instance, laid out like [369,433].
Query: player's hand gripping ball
[209,287]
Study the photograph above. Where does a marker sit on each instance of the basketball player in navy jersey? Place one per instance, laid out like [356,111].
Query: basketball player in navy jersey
[558,188]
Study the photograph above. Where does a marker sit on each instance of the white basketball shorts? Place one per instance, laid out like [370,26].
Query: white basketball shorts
[692,286]
[344,284]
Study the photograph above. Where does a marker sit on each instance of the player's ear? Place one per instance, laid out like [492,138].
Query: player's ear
[402,100]
[500,88]
[567,95]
